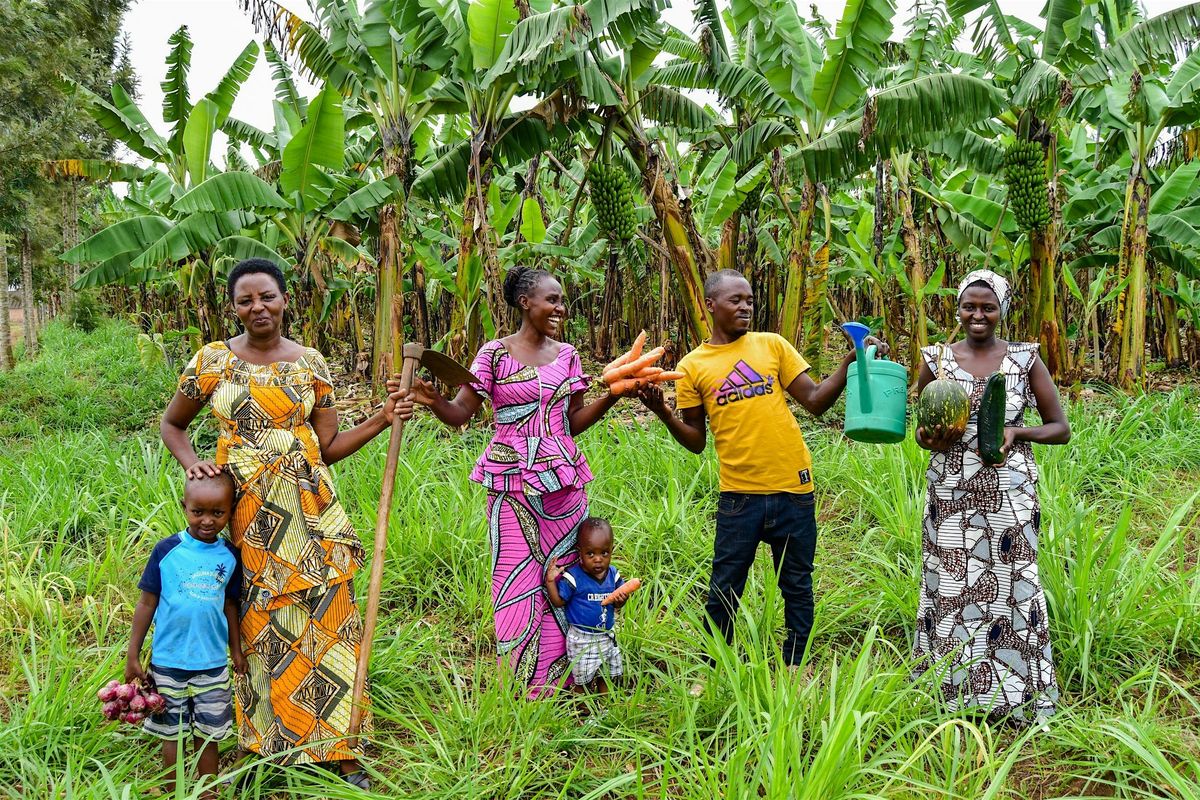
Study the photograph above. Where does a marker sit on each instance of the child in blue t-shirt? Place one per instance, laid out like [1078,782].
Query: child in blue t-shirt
[190,591]
[581,589]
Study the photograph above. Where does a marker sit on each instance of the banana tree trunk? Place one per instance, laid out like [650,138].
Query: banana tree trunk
[1045,325]
[814,309]
[664,299]
[1132,307]
[919,336]
[530,191]
[747,249]
[795,295]
[689,257]
[387,282]
[216,309]
[311,292]
[389,264]
[28,309]
[6,354]
[1172,345]
[475,247]
[882,211]
[608,310]
[728,250]
[420,306]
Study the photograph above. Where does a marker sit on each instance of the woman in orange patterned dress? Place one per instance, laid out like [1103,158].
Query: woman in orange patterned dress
[279,433]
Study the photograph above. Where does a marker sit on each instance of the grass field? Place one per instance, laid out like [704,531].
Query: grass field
[86,488]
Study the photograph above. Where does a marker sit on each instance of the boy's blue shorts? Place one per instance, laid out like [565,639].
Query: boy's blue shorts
[199,703]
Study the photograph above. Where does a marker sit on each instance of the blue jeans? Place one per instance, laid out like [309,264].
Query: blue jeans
[788,523]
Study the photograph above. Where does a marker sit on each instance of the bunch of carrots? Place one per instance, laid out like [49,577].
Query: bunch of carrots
[634,370]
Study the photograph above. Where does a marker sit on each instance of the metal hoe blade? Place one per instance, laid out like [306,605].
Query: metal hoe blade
[442,367]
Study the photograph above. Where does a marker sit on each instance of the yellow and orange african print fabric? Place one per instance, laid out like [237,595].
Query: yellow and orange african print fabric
[300,625]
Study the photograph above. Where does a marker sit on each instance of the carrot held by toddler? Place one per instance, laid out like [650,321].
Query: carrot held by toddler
[622,592]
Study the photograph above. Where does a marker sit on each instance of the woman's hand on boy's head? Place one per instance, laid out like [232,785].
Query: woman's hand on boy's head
[203,469]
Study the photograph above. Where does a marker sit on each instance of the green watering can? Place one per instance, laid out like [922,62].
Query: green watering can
[876,393]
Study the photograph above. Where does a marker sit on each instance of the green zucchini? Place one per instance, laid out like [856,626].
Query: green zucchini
[990,420]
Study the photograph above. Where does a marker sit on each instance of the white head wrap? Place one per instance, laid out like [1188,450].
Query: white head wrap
[995,282]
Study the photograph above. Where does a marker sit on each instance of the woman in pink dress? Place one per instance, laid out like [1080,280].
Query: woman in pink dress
[534,474]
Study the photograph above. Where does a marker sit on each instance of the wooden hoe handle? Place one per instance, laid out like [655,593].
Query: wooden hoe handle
[382,516]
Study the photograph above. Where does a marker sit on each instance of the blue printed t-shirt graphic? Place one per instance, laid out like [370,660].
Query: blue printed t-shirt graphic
[742,386]
[583,593]
[192,580]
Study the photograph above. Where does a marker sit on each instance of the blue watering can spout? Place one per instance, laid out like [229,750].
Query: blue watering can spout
[858,334]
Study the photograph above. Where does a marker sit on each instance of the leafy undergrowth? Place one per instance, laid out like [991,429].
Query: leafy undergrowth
[81,505]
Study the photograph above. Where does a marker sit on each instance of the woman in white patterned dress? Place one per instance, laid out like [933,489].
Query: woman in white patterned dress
[981,621]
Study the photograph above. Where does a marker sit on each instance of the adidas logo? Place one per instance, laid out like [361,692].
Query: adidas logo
[742,383]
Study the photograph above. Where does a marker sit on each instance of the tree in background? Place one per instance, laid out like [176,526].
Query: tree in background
[42,42]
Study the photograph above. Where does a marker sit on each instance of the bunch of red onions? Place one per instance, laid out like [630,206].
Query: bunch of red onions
[128,702]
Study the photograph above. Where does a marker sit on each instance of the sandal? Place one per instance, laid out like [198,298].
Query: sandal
[358,780]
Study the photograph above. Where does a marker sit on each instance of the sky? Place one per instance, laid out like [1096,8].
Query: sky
[219,30]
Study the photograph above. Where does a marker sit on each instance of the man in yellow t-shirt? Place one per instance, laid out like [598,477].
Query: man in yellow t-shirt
[737,383]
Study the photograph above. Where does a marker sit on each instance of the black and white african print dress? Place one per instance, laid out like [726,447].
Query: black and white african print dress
[981,620]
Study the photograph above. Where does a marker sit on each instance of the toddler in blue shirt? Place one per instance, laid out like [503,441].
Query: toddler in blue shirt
[190,591]
[581,589]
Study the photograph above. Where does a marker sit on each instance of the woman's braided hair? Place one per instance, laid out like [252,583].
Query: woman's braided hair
[520,281]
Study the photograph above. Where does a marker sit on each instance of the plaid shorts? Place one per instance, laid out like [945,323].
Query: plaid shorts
[589,650]
[199,702]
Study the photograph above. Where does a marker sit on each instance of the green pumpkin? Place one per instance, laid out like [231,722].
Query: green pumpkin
[944,403]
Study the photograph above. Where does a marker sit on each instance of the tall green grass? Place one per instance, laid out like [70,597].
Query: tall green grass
[80,381]
[81,505]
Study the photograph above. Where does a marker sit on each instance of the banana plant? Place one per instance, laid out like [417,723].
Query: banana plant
[387,60]
[1138,88]
[638,100]
[1185,294]
[316,188]
[156,235]
[1037,68]
[491,40]
[1095,216]
[505,48]
[828,126]
[215,218]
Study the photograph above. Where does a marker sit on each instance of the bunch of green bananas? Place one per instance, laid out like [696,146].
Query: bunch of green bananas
[565,151]
[612,197]
[753,198]
[1025,173]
